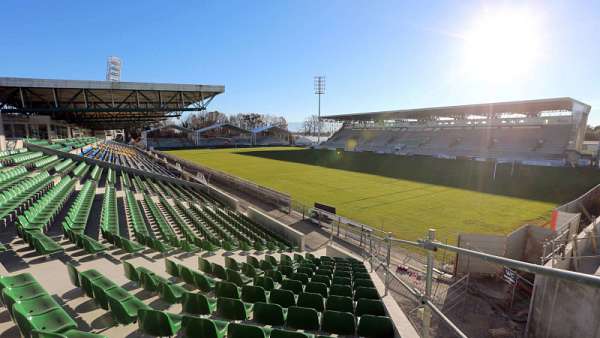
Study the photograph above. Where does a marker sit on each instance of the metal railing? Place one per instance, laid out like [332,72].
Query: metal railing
[371,246]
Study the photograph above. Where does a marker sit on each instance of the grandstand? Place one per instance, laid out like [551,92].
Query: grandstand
[102,240]
[546,132]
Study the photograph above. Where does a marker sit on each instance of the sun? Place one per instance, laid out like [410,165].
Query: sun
[502,45]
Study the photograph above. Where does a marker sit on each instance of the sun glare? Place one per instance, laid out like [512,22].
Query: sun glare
[502,45]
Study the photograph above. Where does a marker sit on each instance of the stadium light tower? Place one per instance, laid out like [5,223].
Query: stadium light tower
[113,68]
[319,90]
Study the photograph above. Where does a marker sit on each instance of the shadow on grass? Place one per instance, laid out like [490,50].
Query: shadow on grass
[548,184]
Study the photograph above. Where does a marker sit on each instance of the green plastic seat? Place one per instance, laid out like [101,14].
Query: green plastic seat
[125,312]
[368,293]
[339,303]
[341,281]
[236,330]
[29,291]
[340,290]
[149,283]
[253,294]
[204,283]
[21,279]
[171,293]
[342,323]
[301,318]
[268,314]
[277,276]
[305,270]
[373,307]
[74,333]
[194,327]
[375,327]
[264,282]
[316,287]
[35,306]
[232,309]
[302,277]
[286,270]
[227,289]
[311,300]
[284,298]
[219,271]
[251,271]
[130,272]
[197,304]
[292,285]
[253,261]
[363,283]
[101,283]
[187,275]
[55,320]
[232,264]
[205,266]
[118,293]
[235,277]
[171,268]
[158,323]
[361,275]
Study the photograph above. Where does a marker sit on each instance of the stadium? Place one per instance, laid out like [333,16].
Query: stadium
[446,185]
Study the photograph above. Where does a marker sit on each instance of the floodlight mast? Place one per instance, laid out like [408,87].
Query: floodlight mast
[319,90]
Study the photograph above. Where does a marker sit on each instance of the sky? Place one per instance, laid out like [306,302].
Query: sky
[376,55]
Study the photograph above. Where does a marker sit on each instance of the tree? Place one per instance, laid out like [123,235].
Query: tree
[312,125]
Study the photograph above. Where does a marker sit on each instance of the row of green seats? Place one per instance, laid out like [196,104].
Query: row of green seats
[25,157]
[96,173]
[65,166]
[168,234]
[246,224]
[35,312]
[31,224]
[210,237]
[191,242]
[109,217]
[111,176]
[10,174]
[77,217]
[45,161]
[6,153]
[23,193]
[81,169]
[122,305]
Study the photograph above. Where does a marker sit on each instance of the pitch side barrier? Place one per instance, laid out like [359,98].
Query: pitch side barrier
[279,200]
[370,240]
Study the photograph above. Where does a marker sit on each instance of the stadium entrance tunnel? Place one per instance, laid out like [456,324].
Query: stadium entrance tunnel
[547,184]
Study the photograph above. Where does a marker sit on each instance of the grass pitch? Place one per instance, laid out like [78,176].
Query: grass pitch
[407,195]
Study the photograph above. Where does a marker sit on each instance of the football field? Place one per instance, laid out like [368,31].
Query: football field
[406,195]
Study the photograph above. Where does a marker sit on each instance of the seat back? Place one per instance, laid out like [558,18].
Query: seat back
[253,294]
[227,289]
[204,265]
[316,287]
[368,293]
[237,330]
[219,271]
[156,323]
[193,327]
[373,307]
[73,274]
[302,318]
[130,272]
[342,323]
[340,290]
[311,300]
[268,314]
[171,268]
[339,303]
[232,264]
[231,309]
[375,327]
[285,298]
[195,303]
[292,285]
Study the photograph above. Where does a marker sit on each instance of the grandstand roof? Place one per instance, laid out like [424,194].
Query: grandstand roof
[267,128]
[103,104]
[528,107]
[220,125]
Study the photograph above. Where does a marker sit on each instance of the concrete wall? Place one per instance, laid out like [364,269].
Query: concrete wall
[525,243]
[492,244]
[291,235]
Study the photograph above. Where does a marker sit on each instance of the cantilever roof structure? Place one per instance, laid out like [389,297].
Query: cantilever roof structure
[528,107]
[103,104]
